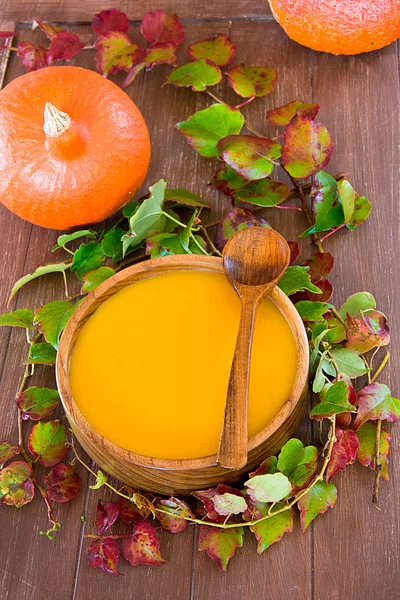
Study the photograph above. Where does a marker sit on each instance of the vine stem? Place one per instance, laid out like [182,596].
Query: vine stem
[378,464]
[306,211]
[209,240]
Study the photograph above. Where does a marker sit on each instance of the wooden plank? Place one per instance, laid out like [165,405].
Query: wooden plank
[250,575]
[357,548]
[75,11]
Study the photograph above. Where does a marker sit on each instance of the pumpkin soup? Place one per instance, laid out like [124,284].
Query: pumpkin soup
[150,368]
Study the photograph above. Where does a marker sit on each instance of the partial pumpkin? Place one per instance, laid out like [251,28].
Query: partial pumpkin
[340,26]
[73,147]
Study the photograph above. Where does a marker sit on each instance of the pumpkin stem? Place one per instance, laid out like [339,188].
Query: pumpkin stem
[55,121]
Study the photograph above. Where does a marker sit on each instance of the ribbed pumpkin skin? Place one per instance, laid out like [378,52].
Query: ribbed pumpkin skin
[89,171]
[339,26]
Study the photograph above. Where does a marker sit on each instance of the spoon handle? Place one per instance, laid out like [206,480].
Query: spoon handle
[232,450]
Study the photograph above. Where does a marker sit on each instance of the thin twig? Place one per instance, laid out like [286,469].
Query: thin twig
[307,213]
[209,240]
[378,465]
[381,367]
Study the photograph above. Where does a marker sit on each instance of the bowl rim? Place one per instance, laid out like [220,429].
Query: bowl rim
[128,276]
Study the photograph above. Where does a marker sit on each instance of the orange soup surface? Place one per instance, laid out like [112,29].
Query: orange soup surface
[150,368]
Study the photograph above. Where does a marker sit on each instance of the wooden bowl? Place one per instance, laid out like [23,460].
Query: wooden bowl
[172,476]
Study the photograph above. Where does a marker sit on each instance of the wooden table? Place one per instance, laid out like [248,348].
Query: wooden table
[351,553]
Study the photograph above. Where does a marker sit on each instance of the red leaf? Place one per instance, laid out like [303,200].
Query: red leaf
[307,147]
[220,544]
[159,26]
[63,46]
[157,54]
[62,483]
[284,114]
[206,496]
[321,264]
[218,50]
[237,219]
[368,331]
[7,451]
[294,252]
[344,419]
[173,522]
[110,20]
[129,513]
[344,451]
[317,501]
[16,487]
[116,52]
[268,466]
[106,515]
[324,285]
[48,29]
[375,402]
[103,554]
[142,548]
[33,57]
[7,34]
[366,453]
[227,181]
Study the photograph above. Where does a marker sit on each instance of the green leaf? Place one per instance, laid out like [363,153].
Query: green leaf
[361,301]
[22,317]
[337,331]
[181,196]
[70,237]
[48,442]
[16,486]
[307,147]
[87,258]
[37,403]
[198,75]
[218,50]
[112,244]
[129,209]
[328,210]
[94,278]
[289,456]
[227,181]
[268,488]
[251,157]
[220,544]
[336,401]
[265,192]
[347,197]
[297,462]
[148,219]
[317,342]
[297,279]
[205,128]
[319,379]
[229,504]
[349,363]
[53,268]
[284,114]
[317,501]
[311,311]
[252,81]
[101,479]
[52,319]
[366,454]
[41,354]
[375,402]
[362,209]
[271,530]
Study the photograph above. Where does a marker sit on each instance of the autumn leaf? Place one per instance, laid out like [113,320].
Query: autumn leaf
[307,147]
[229,504]
[142,548]
[265,192]
[207,498]
[22,317]
[317,501]
[16,486]
[106,515]
[268,465]
[251,157]
[356,303]
[93,278]
[7,34]
[116,52]
[63,46]
[268,488]
[37,403]
[7,451]
[131,513]
[52,319]
[320,264]
[48,29]
[218,50]
[198,75]
[324,295]
[143,503]
[284,114]
[87,258]
[101,479]
[48,442]
[159,26]
[296,279]
[41,354]
[375,402]
[362,209]
[349,362]
[62,483]
[103,554]
[157,54]
[110,20]
[271,530]
[236,220]
[33,57]
[252,81]
[366,453]
[327,208]
[297,462]
[177,509]
[181,196]
[366,332]
[227,181]
[294,252]
[335,401]
[220,544]
[205,128]
[344,451]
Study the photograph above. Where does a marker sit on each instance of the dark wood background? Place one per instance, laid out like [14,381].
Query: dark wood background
[351,553]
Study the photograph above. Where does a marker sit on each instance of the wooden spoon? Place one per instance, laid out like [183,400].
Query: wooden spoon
[254,260]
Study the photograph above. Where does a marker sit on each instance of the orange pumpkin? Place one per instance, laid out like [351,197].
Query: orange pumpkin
[73,147]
